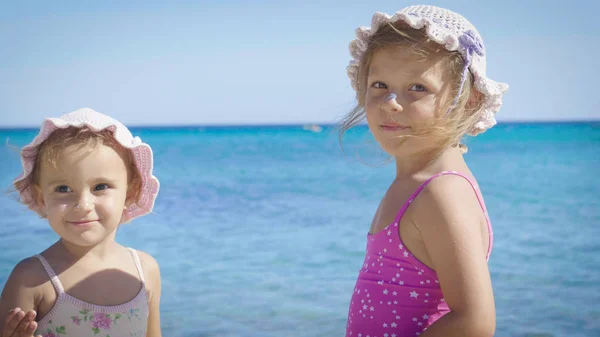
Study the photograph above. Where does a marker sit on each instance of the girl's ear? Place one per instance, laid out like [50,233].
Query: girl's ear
[38,197]
[130,198]
[475,99]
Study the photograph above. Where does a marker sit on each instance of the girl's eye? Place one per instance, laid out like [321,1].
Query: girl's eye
[101,187]
[418,87]
[62,189]
[379,85]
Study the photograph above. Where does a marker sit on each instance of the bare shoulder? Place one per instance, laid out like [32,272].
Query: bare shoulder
[149,263]
[150,268]
[449,216]
[151,272]
[448,197]
[25,286]
[28,273]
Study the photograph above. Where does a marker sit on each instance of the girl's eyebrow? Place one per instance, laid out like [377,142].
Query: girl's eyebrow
[103,179]
[431,80]
[426,78]
[373,71]
[56,181]
[94,180]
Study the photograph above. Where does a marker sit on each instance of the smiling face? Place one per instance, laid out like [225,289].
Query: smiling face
[85,193]
[404,93]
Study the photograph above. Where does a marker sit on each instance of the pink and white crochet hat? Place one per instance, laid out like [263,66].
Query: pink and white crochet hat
[456,34]
[95,121]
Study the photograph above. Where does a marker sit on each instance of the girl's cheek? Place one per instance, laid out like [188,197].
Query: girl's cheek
[111,202]
[57,205]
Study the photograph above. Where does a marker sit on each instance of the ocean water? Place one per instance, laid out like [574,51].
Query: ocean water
[260,231]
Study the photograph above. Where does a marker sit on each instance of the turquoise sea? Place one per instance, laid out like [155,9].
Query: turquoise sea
[260,231]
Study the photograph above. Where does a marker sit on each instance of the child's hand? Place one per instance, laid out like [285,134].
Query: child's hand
[20,324]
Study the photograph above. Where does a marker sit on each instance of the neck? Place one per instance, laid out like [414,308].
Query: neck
[98,251]
[429,164]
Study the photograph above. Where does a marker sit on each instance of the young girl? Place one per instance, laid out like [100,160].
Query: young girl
[86,174]
[420,80]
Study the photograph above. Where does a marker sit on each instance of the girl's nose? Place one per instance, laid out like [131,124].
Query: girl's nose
[390,103]
[83,204]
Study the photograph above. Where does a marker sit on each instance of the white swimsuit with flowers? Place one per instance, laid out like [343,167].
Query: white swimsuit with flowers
[75,318]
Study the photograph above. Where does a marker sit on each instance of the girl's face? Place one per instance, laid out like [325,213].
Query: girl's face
[421,88]
[85,195]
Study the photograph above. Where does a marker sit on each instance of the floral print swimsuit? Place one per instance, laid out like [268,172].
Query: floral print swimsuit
[73,317]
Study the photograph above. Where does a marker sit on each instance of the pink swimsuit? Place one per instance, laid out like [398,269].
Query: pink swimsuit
[396,295]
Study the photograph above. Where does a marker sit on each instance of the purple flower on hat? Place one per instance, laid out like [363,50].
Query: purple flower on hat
[471,44]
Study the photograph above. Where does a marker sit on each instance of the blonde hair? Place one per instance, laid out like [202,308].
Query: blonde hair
[49,151]
[445,130]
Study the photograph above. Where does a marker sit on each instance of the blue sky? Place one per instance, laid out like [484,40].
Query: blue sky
[262,62]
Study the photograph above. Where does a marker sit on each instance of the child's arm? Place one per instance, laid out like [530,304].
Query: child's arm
[153,286]
[449,218]
[17,302]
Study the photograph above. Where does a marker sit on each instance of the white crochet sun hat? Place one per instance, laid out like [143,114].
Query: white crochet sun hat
[456,34]
[95,121]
